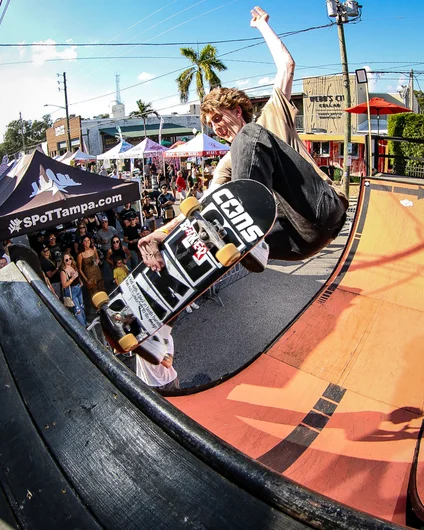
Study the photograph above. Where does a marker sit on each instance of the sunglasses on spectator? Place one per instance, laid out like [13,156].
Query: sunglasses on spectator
[83,226]
[116,241]
[68,259]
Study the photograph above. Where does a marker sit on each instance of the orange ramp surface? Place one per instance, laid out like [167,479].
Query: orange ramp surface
[336,403]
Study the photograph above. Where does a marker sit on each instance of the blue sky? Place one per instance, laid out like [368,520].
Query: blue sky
[389,38]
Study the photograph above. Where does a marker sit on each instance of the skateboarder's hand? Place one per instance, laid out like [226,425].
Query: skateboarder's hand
[149,249]
[258,15]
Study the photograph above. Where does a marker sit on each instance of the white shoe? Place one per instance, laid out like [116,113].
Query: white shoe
[257,259]
[194,306]
[189,309]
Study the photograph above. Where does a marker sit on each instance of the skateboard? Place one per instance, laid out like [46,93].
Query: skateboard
[215,234]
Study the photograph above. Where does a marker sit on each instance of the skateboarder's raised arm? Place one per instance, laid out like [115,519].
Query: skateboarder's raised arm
[283,60]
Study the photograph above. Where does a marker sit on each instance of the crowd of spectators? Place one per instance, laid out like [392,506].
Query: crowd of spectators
[97,252]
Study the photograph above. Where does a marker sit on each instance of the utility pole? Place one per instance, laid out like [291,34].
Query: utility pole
[411,90]
[341,12]
[347,143]
[68,130]
[22,132]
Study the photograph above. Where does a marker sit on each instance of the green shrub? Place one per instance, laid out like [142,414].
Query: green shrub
[406,125]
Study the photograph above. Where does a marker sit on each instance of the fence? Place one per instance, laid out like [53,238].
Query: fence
[408,166]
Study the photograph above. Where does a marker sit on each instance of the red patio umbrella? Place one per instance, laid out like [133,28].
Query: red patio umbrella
[378,106]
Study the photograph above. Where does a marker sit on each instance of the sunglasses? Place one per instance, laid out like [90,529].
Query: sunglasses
[116,241]
[81,227]
[68,259]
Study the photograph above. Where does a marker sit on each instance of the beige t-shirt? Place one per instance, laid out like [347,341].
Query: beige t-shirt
[278,116]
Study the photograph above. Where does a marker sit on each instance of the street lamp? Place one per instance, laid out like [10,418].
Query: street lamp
[342,12]
[68,130]
[362,79]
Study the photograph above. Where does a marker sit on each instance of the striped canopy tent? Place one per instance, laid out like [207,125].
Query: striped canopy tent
[114,153]
[200,146]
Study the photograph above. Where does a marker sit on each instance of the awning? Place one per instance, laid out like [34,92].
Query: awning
[322,137]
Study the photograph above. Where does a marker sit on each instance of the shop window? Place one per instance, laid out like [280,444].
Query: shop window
[321,148]
[355,150]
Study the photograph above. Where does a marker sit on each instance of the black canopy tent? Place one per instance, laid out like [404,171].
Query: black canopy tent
[40,192]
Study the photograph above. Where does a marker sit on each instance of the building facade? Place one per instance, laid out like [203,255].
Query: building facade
[56,136]
[100,135]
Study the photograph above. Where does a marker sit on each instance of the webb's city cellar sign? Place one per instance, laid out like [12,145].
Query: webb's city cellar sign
[324,104]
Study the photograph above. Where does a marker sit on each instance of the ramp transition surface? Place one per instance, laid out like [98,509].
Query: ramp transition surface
[336,403]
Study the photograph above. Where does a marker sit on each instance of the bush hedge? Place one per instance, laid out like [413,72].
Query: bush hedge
[406,125]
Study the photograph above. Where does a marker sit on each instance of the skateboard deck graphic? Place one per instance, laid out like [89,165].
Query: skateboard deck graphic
[241,212]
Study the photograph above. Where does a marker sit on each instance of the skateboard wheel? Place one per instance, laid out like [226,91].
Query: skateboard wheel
[128,342]
[228,255]
[99,298]
[189,206]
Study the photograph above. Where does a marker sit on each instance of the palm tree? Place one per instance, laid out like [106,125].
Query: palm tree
[204,65]
[144,109]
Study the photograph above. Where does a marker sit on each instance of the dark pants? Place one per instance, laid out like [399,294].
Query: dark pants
[310,213]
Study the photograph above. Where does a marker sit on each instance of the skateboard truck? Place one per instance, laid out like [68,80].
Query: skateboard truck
[117,323]
[227,253]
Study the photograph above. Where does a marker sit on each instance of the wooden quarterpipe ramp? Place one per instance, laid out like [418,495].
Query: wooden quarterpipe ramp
[320,431]
[336,403]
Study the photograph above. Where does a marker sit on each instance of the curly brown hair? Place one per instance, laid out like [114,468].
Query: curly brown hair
[228,98]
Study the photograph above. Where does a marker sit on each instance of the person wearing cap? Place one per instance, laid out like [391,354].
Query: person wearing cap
[150,212]
[51,269]
[131,237]
[55,250]
[124,213]
[105,234]
[144,231]
[166,201]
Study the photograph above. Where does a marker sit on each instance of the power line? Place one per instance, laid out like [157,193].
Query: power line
[221,55]
[151,44]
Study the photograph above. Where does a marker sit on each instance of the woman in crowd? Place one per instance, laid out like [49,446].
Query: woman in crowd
[88,267]
[71,285]
[117,250]
[51,270]
[194,191]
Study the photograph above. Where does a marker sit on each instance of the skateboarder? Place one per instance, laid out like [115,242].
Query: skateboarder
[310,211]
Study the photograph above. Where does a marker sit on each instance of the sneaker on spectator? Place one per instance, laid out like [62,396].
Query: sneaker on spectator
[257,259]
[194,306]
[189,309]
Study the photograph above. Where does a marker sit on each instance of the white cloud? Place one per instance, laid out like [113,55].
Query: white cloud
[266,81]
[42,54]
[402,82]
[145,76]
[242,82]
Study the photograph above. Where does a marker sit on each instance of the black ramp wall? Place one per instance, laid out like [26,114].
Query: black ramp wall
[76,453]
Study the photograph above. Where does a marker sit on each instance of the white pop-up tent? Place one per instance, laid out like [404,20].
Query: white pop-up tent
[200,146]
[78,156]
[145,149]
[113,154]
